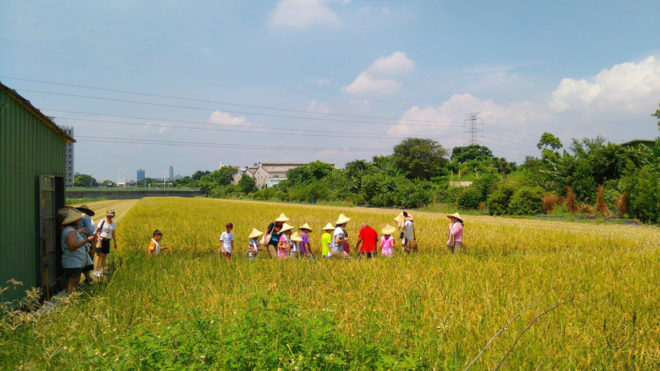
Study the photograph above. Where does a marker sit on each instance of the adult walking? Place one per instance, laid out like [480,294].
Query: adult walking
[75,259]
[367,241]
[87,228]
[455,242]
[273,231]
[104,231]
[340,237]
[409,242]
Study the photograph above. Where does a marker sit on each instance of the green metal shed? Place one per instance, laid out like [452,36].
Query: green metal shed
[32,166]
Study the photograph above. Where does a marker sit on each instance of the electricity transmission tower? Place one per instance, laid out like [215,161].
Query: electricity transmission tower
[472,131]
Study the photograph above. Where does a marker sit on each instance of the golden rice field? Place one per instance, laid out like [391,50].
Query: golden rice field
[572,296]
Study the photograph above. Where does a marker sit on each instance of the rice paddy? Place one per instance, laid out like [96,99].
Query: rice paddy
[523,294]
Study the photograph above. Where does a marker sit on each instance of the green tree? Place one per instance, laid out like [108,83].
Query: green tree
[420,158]
[549,141]
[460,155]
[210,183]
[84,180]
[657,115]
[107,183]
[247,184]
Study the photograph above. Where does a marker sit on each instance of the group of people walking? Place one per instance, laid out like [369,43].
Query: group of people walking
[280,240]
[85,246]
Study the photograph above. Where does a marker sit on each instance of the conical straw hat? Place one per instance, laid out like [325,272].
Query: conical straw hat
[455,215]
[255,233]
[306,227]
[329,227]
[70,215]
[282,218]
[286,227]
[342,219]
[296,237]
[388,230]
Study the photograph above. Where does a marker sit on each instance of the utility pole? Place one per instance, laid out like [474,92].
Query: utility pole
[471,125]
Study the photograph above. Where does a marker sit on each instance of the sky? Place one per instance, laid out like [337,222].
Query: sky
[196,84]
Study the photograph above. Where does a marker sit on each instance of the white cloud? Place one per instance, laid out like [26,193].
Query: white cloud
[365,84]
[303,13]
[448,117]
[396,64]
[224,118]
[320,81]
[318,107]
[628,86]
[375,78]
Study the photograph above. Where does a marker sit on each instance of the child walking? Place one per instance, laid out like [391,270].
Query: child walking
[326,240]
[227,241]
[284,244]
[154,244]
[253,248]
[387,241]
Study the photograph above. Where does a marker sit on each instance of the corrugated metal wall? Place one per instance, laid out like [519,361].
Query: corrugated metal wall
[28,148]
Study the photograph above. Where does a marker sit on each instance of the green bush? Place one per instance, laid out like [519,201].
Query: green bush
[498,201]
[527,201]
[469,198]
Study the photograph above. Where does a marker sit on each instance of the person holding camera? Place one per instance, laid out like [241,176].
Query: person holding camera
[74,256]
[104,230]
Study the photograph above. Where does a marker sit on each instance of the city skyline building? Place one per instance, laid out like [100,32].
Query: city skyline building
[171,173]
[69,170]
[140,175]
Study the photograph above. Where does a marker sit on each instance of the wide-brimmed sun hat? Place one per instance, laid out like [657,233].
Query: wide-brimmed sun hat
[110,213]
[388,230]
[342,219]
[305,227]
[69,215]
[255,233]
[286,227]
[85,209]
[456,216]
[296,237]
[329,227]
[282,218]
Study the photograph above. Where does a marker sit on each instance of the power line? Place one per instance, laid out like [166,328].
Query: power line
[271,108]
[282,130]
[223,145]
[471,128]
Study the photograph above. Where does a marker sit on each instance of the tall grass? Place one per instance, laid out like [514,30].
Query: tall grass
[191,308]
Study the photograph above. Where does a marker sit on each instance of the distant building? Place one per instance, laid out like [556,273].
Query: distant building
[246,171]
[140,175]
[269,174]
[68,176]
[171,173]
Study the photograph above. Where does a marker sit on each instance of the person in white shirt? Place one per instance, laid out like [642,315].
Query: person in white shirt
[410,242]
[227,241]
[154,244]
[340,237]
[104,230]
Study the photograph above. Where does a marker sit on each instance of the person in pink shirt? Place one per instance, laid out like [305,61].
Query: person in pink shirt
[387,241]
[455,241]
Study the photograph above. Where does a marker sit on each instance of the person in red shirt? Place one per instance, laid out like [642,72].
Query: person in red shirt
[367,241]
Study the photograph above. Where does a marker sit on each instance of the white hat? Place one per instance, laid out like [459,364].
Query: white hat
[455,215]
[255,233]
[296,237]
[305,226]
[286,227]
[342,219]
[388,230]
[329,227]
[282,218]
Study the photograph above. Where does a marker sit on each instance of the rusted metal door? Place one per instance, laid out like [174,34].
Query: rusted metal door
[48,242]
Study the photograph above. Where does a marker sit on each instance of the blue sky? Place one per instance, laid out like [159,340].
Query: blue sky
[301,80]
